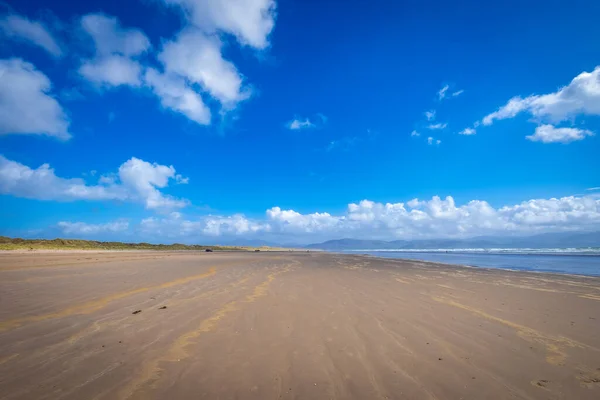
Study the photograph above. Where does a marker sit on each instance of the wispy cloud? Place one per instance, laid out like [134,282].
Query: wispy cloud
[593,188]
[437,126]
[430,115]
[442,92]
[20,28]
[298,124]
[415,133]
[431,141]
[82,228]
[457,93]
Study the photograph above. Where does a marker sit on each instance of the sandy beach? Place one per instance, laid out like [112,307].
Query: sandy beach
[290,325]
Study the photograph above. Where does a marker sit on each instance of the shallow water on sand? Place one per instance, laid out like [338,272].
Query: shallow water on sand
[557,263]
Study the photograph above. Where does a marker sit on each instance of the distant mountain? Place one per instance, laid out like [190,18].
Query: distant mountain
[545,240]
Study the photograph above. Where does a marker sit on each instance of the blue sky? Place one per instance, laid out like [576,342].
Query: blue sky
[298,121]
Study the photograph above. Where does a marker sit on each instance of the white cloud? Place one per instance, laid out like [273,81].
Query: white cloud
[114,70]
[457,93]
[82,228]
[580,96]
[198,59]
[114,63]
[250,21]
[442,92]
[467,131]
[593,188]
[552,134]
[26,105]
[415,133]
[434,218]
[438,142]
[176,95]
[182,180]
[196,56]
[233,225]
[430,115]
[144,179]
[136,181]
[297,124]
[292,221]
[110,38]
[175,225]
[429,140]
[439,125]
[21,28]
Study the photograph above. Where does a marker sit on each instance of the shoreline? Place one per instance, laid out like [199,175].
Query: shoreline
[490,269]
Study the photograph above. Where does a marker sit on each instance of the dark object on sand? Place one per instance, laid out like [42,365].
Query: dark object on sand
[137,312]
[162,308]
[257,250]
[208,250]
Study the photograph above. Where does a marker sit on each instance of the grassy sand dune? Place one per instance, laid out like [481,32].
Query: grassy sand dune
[7,243]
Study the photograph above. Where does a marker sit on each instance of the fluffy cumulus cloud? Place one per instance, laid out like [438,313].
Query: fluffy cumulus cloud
[433,218]
[114,70]
[188,72]
[176,95]
[580,96]
[250,21]
[292,221]
[194,58]
[82,228]
[552,134]
[19,28]
[136,181]
[198,59]
[26,102]
[116,50]
[467,131]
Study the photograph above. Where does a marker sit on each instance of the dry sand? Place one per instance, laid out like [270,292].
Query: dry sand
[290,325]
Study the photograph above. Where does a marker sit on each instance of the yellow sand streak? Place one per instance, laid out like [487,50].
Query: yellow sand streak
[98,326]
[590,296]
[555,346]
[80,263]
[8,358]
[95,305]
[177,352]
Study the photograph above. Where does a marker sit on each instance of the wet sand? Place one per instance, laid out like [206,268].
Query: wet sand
[185,325]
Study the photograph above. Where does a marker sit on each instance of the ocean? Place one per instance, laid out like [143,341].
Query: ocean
[564,261]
